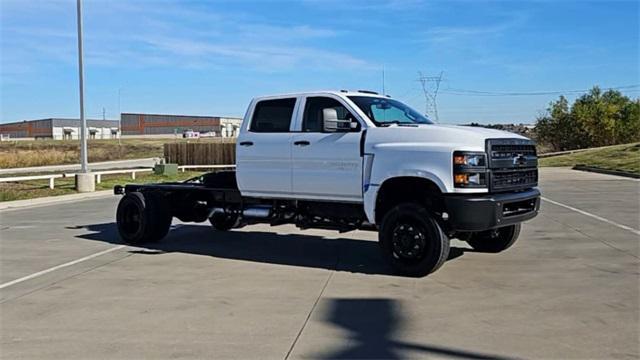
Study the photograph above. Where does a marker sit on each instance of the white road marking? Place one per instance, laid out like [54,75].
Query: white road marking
[625,227]
[70,263]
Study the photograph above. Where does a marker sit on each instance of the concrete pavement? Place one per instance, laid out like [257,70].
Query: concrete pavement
[568,289]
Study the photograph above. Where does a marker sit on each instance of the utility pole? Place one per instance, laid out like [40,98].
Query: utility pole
[85,181]
[430,92]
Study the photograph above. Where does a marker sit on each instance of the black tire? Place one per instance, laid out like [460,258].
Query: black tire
[143,218]
[222,222]
[412,241]
[496,240]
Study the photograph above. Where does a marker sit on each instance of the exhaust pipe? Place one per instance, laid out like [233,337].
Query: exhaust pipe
[259,211]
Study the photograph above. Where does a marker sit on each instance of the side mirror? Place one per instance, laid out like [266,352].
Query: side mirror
[331,123]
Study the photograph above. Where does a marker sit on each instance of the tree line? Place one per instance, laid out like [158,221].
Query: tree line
[595,119]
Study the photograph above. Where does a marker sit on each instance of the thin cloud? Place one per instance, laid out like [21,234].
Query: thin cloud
[172,34]
[445,34]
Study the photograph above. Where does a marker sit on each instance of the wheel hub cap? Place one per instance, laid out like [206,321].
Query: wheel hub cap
[408,241]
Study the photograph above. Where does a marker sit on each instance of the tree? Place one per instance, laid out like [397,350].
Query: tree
[559,129]
[594,119]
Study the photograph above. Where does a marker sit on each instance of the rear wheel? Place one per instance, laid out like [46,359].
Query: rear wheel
[223,222]
[495,240]
[412,241]
[143,218]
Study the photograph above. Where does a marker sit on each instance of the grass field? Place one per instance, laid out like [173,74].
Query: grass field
[624,157]
[14,154]
[63,186]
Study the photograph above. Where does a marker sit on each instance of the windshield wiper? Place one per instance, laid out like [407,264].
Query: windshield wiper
[396,122]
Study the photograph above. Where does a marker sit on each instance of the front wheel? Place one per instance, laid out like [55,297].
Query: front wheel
[495,240]
[412,241]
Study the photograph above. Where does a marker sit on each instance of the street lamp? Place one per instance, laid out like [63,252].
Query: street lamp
[85,181]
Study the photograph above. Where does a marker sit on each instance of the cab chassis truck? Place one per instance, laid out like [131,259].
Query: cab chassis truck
[347,160]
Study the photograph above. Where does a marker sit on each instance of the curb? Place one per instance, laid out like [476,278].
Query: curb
[51,200]
[606,171]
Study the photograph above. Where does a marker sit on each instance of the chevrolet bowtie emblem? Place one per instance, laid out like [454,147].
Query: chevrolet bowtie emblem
[519,159]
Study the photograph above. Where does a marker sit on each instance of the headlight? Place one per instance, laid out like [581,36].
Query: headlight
[469,169]
[469,159]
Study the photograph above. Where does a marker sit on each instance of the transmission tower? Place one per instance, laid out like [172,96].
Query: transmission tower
[430,87]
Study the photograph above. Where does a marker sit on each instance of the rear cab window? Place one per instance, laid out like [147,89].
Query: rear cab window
[272,116]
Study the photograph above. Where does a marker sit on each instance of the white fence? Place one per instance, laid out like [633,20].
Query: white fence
[185,167]
[98,174]
[51,178]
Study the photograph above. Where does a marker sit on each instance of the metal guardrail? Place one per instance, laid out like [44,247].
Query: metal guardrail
[184,167]
[133,172]
[51,178]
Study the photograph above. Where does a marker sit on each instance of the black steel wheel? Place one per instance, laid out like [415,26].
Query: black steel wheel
[223,222]
[143,217]
[495,240]
[412,241]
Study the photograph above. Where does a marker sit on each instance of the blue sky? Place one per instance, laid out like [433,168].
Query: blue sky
[212,57]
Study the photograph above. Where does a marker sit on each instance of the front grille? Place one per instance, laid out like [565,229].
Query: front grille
[502,151]
[513,179]
[512,164]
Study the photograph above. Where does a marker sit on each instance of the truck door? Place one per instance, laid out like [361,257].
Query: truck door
[263,155]
[326,165]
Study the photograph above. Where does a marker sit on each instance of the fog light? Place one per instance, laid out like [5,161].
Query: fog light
[474,179]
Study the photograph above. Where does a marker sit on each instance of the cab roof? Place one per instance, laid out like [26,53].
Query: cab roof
[320,92]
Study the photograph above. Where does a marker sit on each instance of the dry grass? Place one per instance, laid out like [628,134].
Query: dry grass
[58,152]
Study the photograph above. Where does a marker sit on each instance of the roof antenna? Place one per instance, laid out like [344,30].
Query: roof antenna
[383,91]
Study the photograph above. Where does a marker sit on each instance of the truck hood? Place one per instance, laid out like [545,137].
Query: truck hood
[452,137]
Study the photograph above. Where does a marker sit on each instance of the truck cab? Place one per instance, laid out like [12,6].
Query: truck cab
[348,160]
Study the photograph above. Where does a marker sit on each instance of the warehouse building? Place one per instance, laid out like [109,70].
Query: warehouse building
[157,125]
[59,129]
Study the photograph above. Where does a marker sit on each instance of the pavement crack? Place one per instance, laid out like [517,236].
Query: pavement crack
[315,304]
[65,279]
[591,237]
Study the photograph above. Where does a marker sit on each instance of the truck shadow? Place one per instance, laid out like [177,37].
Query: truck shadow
[359,256]
[371,328]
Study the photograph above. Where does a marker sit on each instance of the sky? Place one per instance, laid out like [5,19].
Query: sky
[501,61]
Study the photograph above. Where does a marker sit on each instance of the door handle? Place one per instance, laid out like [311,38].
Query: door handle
[246,143]
[302,143]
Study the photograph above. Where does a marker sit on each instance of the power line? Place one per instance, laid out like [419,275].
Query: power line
[466,92]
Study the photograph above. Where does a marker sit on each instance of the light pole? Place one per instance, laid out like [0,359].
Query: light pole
[84,168]
[85,181]
[119,118]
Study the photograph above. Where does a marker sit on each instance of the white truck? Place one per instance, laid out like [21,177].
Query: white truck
[347,160]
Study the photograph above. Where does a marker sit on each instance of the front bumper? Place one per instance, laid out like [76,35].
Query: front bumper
[483,212]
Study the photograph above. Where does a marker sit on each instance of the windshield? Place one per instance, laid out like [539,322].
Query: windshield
[384,112]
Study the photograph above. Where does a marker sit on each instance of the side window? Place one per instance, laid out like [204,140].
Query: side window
[312,121]
[272,115]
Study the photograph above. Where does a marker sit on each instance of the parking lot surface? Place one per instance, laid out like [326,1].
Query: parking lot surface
[567,289]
